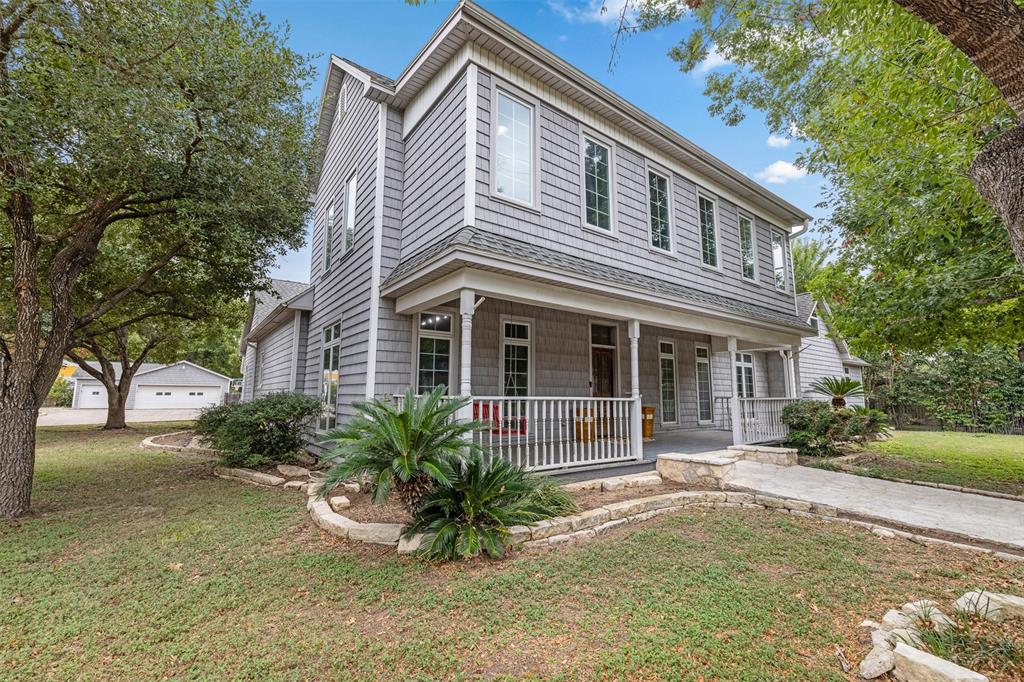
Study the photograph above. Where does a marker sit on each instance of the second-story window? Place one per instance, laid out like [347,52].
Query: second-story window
[329,238]
[350,212]
[779,259]
[748,257]
[708,231]
[597,185]
[513,159]
[661,230]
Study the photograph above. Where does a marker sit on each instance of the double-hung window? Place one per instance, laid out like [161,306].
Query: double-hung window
[514,149]
[434,360]
[350,212]
[667,361]
[779,259]
[708,231]
[597,184]
[745,375]
[329,237]
[330,355]
[705,411]
[658,201]
[748,247]
[515,371]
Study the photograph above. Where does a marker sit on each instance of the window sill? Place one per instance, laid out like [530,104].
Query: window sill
[712,268]
[661,252]
[611,234]
[515,203]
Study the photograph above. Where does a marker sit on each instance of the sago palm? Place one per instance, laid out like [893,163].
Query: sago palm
[838,388]
[407,448]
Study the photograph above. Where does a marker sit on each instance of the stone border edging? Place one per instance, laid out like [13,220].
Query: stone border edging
[150,444]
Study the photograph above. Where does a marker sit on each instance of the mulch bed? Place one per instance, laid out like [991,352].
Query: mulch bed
[178,439]
[592,499]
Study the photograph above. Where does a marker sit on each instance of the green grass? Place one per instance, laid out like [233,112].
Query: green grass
[142,565]
[975,460]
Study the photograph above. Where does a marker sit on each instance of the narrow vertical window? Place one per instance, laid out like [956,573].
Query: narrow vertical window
[597,185]
[435,352]
[661,237]
[513,158]
[667,360]
[779,259]
[331,364]
[329,238]
[708,232]
[748,257]
[745,375]
[704,402]
[350,213]
[515,359]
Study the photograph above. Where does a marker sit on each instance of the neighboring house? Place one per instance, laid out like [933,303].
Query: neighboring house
[497,221]
[824,355]
[155,386]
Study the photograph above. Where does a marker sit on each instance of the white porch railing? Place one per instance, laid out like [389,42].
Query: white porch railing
[761,419]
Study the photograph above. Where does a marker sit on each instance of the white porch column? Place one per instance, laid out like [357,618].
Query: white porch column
[636,438]
[786,372]
[794,380]
[734,403]
[467,304]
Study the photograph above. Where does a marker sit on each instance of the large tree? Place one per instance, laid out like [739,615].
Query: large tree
[173,131]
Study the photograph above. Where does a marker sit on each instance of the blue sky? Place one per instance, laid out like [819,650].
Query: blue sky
[385,34]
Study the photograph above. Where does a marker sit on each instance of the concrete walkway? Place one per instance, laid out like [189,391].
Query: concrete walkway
[974,516]
[66,416]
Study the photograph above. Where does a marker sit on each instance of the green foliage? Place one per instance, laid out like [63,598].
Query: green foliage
[550,498]
[62,393]
[809,258]
[970,644]
[261,432]
[838,389]
[818,429]
[470,514]
[408,448]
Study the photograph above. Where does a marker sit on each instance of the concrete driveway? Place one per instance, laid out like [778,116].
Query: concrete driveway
[65,416]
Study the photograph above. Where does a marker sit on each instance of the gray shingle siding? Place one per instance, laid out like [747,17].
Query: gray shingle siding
[274,358]
[820,358]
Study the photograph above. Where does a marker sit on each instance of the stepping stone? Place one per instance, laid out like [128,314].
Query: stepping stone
[292,471]
[339,502]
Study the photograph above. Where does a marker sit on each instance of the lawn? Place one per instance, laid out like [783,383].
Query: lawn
[138,564]
[975,460]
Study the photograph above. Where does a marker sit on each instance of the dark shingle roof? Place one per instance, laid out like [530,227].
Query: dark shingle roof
[377,78]
[804,306]
[281,290]
[472,239]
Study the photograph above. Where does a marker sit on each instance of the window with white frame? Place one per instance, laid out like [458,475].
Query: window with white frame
[434,358]
[779,259]
[330,354]
[513,157]
[329,237]
[515,355]
[708,231]
[748,247]
[350,212]
[705,409]
[658,200]
[667,361]
[745,375]
[597,184]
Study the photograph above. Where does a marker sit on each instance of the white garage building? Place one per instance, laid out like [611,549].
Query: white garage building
[182,385]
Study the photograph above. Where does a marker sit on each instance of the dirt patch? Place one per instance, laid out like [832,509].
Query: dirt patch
[592,499]
[364,511]
[177,439]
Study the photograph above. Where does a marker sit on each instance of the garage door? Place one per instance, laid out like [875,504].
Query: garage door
[92,396]
[157,397]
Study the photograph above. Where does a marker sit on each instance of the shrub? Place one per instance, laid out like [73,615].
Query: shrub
[408,448]
[864,424]
[838,389]
[265,431]
[471,513]
[62,393]
[812,425]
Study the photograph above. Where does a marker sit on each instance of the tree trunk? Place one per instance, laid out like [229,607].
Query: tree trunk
[116,401]
[998,174]
[17,457]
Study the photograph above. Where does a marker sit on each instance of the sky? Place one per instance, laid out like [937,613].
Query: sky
[384,35]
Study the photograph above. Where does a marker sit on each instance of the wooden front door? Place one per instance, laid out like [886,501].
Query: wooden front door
[603,366]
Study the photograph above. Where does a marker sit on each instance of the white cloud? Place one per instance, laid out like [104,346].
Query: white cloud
[781,172]
[563,38]
[605,12]
[778,141]
[714,60]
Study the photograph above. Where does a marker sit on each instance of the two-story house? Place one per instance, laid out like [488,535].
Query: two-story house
[496,221]
[825,354]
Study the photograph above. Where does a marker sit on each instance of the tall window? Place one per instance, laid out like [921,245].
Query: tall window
[329,238]
[331,363]
[515,373]
[667,359]
[745,375]
[704,402]
[597,185]
[435,352]
[708,231]
[513,160]
[748,257]
[350,213]
[661,237]
[779,259]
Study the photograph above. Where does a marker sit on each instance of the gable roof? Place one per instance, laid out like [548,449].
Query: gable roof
[265,306]
[145,367]
[181,362]
[469,22]
[806,306]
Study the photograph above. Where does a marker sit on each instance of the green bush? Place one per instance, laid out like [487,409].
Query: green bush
[816,428]
[470,514]
[261,432]
[62,393]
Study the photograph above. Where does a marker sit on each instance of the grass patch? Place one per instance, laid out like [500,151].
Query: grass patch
[138,564]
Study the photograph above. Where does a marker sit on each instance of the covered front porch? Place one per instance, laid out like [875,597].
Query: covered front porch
[567,380]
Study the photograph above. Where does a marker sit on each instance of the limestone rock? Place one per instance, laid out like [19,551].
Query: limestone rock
[914,665]
[797,505]
[377,533]
[922,607]
[613,484]
[350,487]
[559,525]
[991,605]
[645,481]
[249,476]
[292,471]
[590,518]
[519,534]
[339,502]
[909,636]
[410,545]
[592,484]
[295,485]
[896,619]
[880,638]
[878,662]
[884,533]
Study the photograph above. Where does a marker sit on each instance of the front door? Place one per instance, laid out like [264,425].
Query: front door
[603,366]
